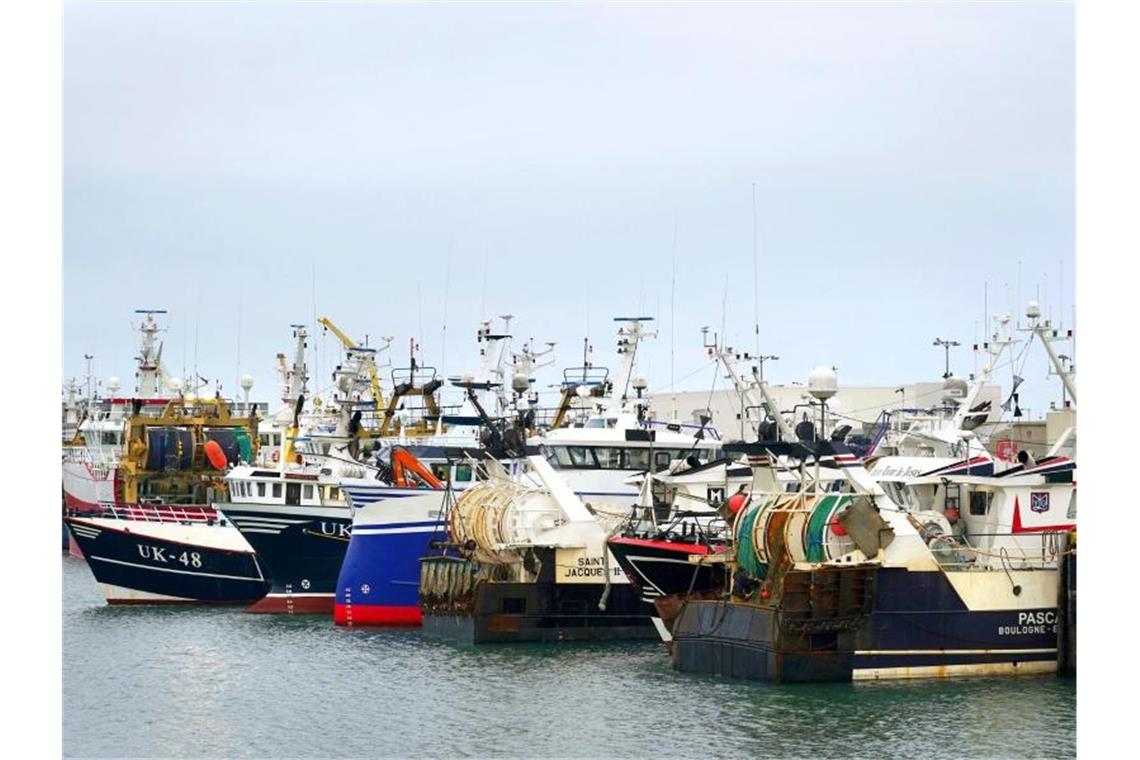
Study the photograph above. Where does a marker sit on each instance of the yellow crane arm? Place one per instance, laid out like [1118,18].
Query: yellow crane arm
[328,324]
[348,342]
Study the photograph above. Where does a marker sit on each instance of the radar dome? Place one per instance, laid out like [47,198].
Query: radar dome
[113,384]
[520,382]
[344,382]
[823,383]
[639,383]
[1032,310]
[174,384]
[246,382]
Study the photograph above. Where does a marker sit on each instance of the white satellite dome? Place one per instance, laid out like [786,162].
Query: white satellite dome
[823,382]
[246,382]
[1032,310]
[520,382]
[113,384]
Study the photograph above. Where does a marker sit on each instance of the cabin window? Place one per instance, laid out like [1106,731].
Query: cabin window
[261,490]
[334,493]
[276,439]
[439,470]
[276,490]
[558,456]
[110,439]
[597,422]
[581,456]
[307,493]
[463,473]
[1072,513]
[661,459]
[980,502]
[637,459]
[608,459]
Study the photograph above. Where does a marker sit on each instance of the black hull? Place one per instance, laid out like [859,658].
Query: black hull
[534,612]
[302,558]
[915,626]
[662,568]
[140,569]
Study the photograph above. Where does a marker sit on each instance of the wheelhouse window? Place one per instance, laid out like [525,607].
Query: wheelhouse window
[637,459]
[558,456]
[276,490]
[980,502]
[307,493]
[463,473]
[261,490]
[608,459]
[581,456]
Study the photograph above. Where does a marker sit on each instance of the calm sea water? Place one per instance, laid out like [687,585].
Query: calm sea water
[219,682]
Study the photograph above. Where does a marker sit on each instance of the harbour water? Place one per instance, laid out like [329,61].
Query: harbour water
[202,682]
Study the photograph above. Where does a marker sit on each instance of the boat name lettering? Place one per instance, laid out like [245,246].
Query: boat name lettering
[1031,623]
[336,529]
[158,554]
[591,567]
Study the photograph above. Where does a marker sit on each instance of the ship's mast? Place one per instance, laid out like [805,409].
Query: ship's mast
[149,375]
[1043,329]
[754,392]
[629,335]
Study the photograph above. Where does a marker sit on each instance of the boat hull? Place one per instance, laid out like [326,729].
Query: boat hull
[147,562]
[536,612]
[301,550]
[921,624]
[378,583]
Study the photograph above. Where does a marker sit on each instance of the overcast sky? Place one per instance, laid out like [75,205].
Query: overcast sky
[398,164]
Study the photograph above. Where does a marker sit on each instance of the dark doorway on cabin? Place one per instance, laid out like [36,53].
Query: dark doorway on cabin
[292,493]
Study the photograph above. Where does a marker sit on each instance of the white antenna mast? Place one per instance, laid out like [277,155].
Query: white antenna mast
[755,272]
[673,324]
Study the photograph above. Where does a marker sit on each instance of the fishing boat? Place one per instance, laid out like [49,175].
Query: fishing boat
[140,489]
[964,569]
[846,584]
[526,560]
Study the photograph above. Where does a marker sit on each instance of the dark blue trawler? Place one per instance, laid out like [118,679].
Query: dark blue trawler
[835,585]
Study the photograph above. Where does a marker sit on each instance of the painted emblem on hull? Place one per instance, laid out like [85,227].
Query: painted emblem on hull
[305,584]
[365,588]
[1039,501]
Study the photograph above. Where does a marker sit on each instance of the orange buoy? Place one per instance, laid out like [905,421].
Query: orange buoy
[737,501]
[215,454]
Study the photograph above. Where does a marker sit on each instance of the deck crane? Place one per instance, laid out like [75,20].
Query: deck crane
[352,346]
